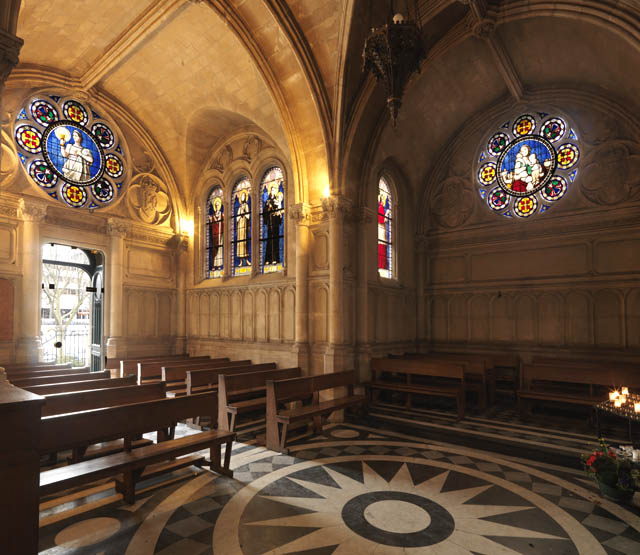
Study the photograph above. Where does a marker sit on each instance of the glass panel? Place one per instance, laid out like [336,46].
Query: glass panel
[214,234]
[385,239]
[241,200]
[272,221]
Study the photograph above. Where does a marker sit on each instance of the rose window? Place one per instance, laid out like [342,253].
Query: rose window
[71,151]
[527,164]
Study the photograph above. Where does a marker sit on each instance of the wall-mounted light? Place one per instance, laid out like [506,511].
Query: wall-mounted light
[326,192]
[186,226]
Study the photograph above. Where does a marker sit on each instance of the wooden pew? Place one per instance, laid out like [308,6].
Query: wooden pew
[571,384]
[232,387]
[176,376]
[130,365]
[67,431]
[64,387]
[17,367]
[439,379]
[207,380]
[477,369]
[76,401]
[152,370]
[22,374]
[302,389]
[84,376]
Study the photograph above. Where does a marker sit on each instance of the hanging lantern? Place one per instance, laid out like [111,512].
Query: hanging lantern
[392,53]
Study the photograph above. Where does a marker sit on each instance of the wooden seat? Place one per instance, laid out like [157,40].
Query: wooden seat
[304,389]
[63,387]
[68,431]
[237,387]
[446,380]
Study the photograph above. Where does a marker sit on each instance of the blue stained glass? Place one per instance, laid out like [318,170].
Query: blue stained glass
[272,220]
[118,149]
[53,195]
[483,193]
[572,135]
[23,158]
[93,205]
[507,214]
[482,157]
[241,199]
[215,234]
[118,186]
[77,159]
[95,116]
[22,114]
[544,208]
[572,175]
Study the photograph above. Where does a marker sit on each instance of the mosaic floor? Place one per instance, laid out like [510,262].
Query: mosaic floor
[361,489]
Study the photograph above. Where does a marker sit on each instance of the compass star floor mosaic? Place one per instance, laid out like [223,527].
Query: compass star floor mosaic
[355,489]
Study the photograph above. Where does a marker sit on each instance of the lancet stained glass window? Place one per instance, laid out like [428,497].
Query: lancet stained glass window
[527,164]
[272,220]
[241,244]
[385,229]
[214,233]
[70,151]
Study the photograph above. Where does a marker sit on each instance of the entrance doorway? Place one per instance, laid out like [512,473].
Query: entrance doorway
[71,305]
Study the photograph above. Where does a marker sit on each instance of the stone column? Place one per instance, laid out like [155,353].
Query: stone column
[28,347]
[10,46]
[300,215]
[366,242]
[336,208]
[114,286]
[421,314]
[182,261]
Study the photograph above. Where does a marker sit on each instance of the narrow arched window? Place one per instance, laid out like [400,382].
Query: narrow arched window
[241,202]
[272,220]
[214,234]
[385,229]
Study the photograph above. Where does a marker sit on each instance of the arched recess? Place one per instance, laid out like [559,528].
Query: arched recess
[550,320]
[578,319]
[608,306]
[632,311]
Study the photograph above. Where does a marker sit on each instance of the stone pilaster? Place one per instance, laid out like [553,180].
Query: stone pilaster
[117,231]
[29,346]
[366,218]
[421,314]
[182,261]
[300,215]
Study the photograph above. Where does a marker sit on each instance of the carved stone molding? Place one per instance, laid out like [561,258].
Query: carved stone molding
[300,213]
[365,215]
[8,159]
[251,148]
[611,173]
[10,46]
[148,199]
[117,227]
[180,242]
[452,203]
[482,28]
[223,159]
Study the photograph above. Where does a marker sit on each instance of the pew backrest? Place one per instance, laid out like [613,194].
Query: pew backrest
[81,386]
[129,365]
[228,384]
[30,367]
[304,387]
[153,369]
[22,374]
[530,373]
[83,376]
[179,373]
[66,431]
[417,367]
[198,378]
[61,403]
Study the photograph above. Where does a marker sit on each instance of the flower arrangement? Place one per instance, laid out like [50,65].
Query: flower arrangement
[614,472]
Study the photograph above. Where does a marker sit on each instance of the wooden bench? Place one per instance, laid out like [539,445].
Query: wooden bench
[76,401]
[439,379]
[199,381]
[64,387]
[177,375]
[571,384]
[17,367]
[242,393]
[279,420]
[130,365]
[23,374]
[58,378]
[72,430]
[152,370]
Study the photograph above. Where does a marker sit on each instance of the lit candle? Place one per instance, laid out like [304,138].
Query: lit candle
[613,395]
[617,403]
[636,407]
[625,391]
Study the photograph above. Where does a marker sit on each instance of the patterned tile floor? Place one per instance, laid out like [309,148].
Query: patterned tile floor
[387,484]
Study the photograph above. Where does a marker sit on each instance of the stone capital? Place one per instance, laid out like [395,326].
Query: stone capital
[10,46]
[337,206]
[32,211]
[180,242]
[300,213]
[117,227]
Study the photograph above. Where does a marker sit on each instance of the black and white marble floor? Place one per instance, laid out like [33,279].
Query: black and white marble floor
[356,489]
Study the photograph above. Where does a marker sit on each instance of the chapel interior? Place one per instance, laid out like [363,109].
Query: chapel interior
[342,276]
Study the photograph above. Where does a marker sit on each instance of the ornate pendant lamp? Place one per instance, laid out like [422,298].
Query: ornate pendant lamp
[392,53]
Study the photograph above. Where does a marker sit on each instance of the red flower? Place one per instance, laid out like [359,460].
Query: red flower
[590,460]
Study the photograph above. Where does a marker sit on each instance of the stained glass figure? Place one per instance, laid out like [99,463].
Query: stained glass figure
[81,149]
[215,234]
[272,220]
[241,201]
[524,168]
[385,229]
